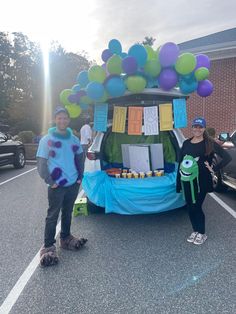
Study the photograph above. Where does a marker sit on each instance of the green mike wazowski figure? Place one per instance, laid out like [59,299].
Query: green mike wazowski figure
[189,173]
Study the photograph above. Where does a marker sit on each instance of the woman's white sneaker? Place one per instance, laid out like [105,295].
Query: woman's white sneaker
[192,237]
[200,239]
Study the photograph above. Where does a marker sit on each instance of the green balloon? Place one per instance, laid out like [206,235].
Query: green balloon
[136,84]
[74,110]
[201,73]
[185,63]
[96,73]
[64,96]
[151,54]
[152,68]
[114,65]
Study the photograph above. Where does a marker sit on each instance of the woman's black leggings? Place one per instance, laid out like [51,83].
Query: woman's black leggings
[196,213]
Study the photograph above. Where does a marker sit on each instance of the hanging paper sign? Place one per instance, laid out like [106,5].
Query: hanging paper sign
[100,117]
[166,121]
[119,118]
[151,120]
[180,113]
[135,119]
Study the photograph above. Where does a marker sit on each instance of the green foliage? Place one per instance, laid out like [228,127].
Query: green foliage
[22,83]
[148,41]
[26,136]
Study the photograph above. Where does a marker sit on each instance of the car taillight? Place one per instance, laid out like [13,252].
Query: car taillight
[91,155]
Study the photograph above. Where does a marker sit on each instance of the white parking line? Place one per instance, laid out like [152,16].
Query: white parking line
[223,204]
[24,278]
[19,175]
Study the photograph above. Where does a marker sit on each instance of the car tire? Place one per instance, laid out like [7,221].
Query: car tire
[19,159]
[94,209]
[218,186]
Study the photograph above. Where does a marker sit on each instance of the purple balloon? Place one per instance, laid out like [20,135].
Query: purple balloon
[106,54]
[129,65]
[72,98]
[205,88]
[167,79]
[203,61]
[80,94]
[168,54]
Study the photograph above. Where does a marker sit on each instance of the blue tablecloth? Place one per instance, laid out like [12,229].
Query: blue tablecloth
[132,196]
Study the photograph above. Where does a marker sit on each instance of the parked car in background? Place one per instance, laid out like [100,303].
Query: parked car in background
[11,152]
[226,177]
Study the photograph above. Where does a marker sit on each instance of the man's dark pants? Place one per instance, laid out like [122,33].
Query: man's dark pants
[60,198]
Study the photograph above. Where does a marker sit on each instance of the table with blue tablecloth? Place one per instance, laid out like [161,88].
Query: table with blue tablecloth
[132,196]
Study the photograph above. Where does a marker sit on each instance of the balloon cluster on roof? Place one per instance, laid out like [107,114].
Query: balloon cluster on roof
[141,67]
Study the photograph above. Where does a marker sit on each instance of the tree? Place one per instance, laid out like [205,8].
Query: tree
[22,81]
[148,41]
[5,70]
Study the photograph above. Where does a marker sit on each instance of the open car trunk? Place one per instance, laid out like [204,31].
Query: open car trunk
[136,195]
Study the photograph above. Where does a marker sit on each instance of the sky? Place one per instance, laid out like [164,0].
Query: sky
[89,25]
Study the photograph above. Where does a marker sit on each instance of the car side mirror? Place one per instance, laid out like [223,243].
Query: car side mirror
[224,137]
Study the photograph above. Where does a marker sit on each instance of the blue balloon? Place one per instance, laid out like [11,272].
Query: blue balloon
[115,87]
[76,88]
[115,46]
[123,55]
[188,87]
[151,82]
[139,53]
[82,78]
[188,78]
[95,90]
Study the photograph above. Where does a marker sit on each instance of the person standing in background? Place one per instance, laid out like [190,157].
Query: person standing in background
[86,136]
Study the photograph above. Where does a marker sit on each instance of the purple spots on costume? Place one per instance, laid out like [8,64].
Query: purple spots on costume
[52,153]
[56,173]
[58,144]
[77,166]
[63,182]
[50,143]
[75,148]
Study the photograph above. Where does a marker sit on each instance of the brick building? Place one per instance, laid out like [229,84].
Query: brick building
[219,108]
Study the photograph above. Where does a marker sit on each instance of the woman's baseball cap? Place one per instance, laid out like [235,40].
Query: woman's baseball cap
[199,121]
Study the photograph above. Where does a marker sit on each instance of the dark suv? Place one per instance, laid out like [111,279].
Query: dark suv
[226,177]
[11,152]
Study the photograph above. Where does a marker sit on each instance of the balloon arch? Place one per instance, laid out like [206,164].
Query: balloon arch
[141,67]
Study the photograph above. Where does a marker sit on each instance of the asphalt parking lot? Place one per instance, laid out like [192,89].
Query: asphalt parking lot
[131,264]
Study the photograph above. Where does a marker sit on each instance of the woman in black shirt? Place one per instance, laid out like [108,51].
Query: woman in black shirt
[202,148]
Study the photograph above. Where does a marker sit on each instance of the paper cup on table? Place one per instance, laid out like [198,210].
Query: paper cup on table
[156,173]
[149,173]
[141,175]
[135,175]
[117,175]
[129,175]
[124,174]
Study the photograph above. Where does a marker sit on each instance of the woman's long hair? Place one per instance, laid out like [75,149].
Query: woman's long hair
[209,143]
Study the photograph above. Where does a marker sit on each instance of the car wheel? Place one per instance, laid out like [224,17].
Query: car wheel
[94,209]
[19,159]
[217,182]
